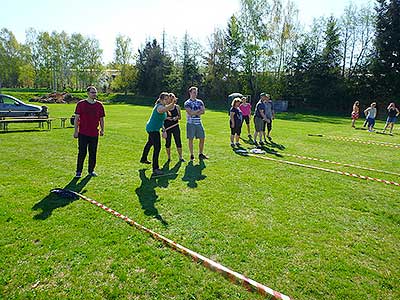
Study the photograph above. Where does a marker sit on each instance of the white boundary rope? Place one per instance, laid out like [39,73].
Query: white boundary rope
[326,170]
[338,163]
[233,276]
[386,144]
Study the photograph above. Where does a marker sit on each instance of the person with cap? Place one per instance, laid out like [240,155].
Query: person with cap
[269,115]
[260,119]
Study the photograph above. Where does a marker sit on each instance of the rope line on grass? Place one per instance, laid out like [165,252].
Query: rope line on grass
[326,170]
[339,163]
[233,276]
[386,144]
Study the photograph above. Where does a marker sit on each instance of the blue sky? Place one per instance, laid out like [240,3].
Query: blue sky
[139,19]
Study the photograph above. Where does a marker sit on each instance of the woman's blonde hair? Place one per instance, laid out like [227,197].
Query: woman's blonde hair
[234,101]
[162,96]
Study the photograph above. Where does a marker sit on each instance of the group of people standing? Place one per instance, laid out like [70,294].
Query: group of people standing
[370,114]
[263,115]
[165,116]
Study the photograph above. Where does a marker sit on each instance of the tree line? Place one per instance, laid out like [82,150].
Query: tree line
[263,47]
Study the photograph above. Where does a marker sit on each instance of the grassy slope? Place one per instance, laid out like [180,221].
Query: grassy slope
[305,233]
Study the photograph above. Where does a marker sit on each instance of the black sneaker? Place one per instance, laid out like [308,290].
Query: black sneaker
[233,145]
[182,159]
[78,175]
[145,161]
[238,145]
[202,156]
[192,157]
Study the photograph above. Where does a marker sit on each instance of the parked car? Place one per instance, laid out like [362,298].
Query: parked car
[13,107]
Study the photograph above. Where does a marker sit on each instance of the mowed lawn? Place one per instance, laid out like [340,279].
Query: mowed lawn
[306,233]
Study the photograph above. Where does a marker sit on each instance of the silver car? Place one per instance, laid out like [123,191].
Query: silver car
[13,107]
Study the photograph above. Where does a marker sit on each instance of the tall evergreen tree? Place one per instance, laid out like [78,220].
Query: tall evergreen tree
[327,86]
[386,66]
[153,66]
[190,69]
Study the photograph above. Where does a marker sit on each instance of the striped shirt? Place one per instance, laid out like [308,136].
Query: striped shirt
[193,105]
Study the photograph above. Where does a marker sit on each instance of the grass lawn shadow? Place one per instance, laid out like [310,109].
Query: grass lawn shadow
[193,173]
[268,147]
[147,195]
[275,145]
[24,130]
[169,174]
[270,150]
[53,201]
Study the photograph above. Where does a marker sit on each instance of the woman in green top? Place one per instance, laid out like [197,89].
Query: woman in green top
[153,126]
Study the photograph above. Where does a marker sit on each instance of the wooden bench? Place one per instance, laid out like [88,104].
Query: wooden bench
[41,121]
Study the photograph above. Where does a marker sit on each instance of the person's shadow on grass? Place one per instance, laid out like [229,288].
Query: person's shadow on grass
[147,196]
[53,201]
[270,151]
[169,174]
[275,145]
[193,173]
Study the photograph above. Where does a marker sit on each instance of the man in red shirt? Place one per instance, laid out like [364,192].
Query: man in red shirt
[89,114]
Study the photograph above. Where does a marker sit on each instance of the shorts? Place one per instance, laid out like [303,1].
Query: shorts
[355,115]
[391,120]
[246,119]
[236,130]
[195,131]
[259,124]
[269,125]
[371,122]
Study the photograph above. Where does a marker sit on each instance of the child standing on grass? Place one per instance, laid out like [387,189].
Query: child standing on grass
[235,121]
[393,113]
[370,112]
[245,108]
[355,114]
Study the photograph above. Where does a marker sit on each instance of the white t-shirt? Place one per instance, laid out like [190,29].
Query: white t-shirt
[371,113]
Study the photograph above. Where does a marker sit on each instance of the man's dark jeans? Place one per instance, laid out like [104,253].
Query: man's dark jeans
[86,143]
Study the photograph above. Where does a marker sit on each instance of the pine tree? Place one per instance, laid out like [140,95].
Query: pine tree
[386,66]
[153,69]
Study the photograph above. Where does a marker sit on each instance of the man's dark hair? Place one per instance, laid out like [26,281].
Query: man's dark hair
[90,87]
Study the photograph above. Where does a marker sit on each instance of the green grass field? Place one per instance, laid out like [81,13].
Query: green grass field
[306,233]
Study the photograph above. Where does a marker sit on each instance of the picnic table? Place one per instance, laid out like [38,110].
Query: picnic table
[4,122]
